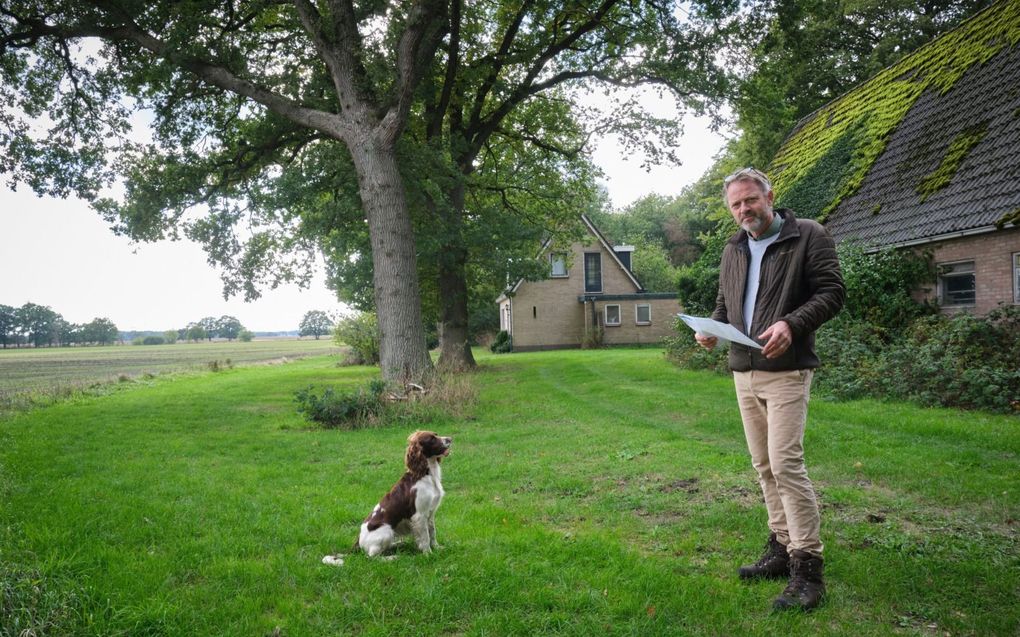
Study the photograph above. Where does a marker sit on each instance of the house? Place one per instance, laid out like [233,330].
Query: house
[590,295]
[925,156]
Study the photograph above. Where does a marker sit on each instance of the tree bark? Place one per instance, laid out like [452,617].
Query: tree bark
[454,348]
[403,356]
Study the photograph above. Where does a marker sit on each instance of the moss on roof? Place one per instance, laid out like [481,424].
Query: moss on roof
[828,156]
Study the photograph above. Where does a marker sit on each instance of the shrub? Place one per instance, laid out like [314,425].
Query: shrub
[361,334]
[684,351]
[339,409]
[245,336]
[503,343]
[153,340]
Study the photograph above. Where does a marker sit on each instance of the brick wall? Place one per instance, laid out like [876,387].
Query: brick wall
[992,255]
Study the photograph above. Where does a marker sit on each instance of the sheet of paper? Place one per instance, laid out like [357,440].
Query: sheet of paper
[708,327]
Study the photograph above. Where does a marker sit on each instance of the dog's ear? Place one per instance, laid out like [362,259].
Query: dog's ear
[415,458]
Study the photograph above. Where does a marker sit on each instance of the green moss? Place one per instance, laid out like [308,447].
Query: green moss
[877,209]
[880,104]
[825,179]
[958,150]
[1010,217]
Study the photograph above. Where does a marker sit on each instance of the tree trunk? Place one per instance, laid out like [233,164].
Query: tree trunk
[403,356]
[454,348]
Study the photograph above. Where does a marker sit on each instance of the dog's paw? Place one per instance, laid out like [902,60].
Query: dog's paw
[333,560]
[388,558]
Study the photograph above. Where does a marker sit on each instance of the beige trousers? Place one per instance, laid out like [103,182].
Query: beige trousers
[773,406]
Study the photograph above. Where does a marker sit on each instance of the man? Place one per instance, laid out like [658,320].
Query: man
[778,282]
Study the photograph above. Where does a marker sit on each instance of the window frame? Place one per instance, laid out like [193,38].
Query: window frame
[592,290]
[945,273]
[1016,278]
[561,257]
[619,315]
[637,313]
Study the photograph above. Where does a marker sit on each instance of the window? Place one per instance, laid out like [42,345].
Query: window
[643,314]
[956,284]
[1016,277]
[592,272]
[612,315]
[558,264]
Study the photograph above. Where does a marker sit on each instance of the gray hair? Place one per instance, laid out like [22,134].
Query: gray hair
[748,174]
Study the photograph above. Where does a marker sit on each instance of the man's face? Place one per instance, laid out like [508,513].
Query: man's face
[750,206]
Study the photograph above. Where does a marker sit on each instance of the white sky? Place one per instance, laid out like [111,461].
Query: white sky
[60,253]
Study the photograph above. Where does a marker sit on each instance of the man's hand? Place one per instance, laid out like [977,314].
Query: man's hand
[708,342]
[779,337]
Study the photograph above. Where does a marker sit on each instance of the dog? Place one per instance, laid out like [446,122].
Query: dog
[410,506]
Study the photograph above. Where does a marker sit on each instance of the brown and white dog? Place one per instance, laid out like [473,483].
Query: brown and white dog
[410,506]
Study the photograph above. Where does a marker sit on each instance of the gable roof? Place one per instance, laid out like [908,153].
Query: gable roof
[927,149]
[602,240]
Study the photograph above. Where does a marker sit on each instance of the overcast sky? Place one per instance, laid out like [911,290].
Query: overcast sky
[61,254]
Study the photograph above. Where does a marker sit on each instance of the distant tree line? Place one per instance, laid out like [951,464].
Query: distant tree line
[40,326]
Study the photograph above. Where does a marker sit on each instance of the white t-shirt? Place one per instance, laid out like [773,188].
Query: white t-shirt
[757,248]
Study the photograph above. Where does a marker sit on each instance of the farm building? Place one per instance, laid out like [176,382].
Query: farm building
[590,294]
[925,155]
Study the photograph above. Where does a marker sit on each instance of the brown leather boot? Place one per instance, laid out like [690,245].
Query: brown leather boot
[806,588]
[773,564]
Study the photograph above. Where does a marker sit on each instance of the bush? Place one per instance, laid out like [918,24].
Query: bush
[959,361]
[338,409]
[503,343]
[684,351]
[245,336]
[361,334]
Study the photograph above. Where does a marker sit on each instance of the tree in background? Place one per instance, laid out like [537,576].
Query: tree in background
[101,331]
[8,326]
[315,323]
[237,92]
[171,336]
[195,332]
[209,325]
[39,324]
[801,54]
[228,327]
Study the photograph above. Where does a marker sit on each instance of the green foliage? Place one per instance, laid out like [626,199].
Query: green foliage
[682,350]
[339,408]
[877,106]
[958,150]
[359,332]
[315,323]
[152,340]
[245,336]
[698,286]
[170,336]
[879,285]
[806,53]
[502,344]
[825,180]
[959,361]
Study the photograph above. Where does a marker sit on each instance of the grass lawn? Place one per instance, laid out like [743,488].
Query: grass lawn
[588,493]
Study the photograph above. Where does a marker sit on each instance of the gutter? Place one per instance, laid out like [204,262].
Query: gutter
[942,237]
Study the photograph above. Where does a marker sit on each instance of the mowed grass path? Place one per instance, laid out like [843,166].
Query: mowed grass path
[588,493]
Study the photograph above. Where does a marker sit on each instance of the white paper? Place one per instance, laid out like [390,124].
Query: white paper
[725,331]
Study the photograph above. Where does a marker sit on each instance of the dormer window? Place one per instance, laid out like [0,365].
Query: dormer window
[558,265]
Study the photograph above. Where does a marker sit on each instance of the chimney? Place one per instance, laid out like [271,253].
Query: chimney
[623,253]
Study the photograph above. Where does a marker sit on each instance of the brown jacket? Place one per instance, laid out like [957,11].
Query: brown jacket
[800,283]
